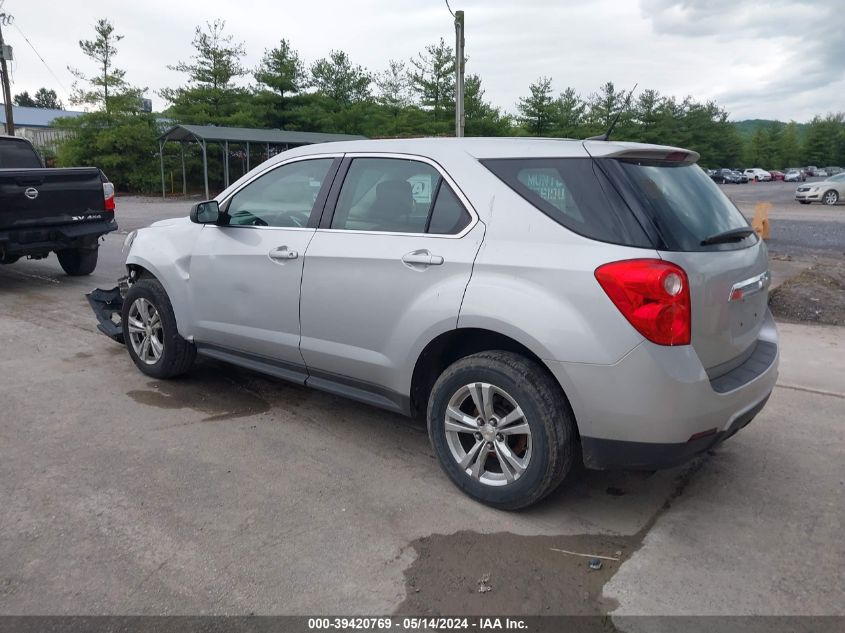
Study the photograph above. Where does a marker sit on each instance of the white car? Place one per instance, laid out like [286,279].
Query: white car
[758,174]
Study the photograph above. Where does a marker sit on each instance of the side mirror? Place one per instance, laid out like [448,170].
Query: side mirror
[207,212]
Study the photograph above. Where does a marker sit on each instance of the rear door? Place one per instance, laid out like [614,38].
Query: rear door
[728,277]
[386,270]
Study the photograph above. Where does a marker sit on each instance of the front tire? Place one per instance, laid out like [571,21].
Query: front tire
[501,429]
[77,262]
[149,329]
[830,197]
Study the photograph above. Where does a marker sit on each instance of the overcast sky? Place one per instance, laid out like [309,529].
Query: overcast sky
[780,59]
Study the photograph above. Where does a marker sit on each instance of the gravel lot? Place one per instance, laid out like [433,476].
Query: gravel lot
[231,493]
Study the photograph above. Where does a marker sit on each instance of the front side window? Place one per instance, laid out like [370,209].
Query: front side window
[397,195]
[283,197]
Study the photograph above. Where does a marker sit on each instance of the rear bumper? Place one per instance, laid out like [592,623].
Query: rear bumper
[601,454]
[657,407]
[42,240]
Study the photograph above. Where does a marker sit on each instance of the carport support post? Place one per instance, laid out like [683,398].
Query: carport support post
[184,178]
[226,163]
[205,168]
[161,161]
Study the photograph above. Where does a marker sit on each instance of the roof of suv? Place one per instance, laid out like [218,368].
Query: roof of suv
[499,147]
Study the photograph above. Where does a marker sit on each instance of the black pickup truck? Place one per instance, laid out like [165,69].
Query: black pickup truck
[42,210]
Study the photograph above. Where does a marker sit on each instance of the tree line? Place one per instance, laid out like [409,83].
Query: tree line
[407,98]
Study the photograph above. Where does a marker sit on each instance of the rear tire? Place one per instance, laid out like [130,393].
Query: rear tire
[149,329]
[77,262]
[515,451]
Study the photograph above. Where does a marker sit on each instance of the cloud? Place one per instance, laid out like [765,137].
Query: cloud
[809,35]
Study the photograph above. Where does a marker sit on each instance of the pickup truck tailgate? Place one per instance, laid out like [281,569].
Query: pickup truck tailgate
[38,197]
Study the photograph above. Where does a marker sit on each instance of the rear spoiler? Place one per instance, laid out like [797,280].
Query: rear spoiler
[635,151]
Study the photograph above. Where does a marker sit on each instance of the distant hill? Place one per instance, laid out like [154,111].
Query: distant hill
[746,128]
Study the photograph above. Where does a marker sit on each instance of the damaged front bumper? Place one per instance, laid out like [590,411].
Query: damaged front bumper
[108,306]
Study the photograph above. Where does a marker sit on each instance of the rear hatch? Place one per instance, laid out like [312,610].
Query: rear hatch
[694,225]
[40,197]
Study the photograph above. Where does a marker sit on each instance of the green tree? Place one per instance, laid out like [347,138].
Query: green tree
[790,145]
[108,89]
[433,80]
[337,78]
[393,86]
[211,95]
[23,100]
[568,114]
[116,136]
[604,105]
[282,71]
[537,110]
[481,118]
[47,99]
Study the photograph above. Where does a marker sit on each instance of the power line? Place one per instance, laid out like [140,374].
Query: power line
[450,8]
[46,65]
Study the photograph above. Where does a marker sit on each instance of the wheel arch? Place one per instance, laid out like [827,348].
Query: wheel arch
[458,343]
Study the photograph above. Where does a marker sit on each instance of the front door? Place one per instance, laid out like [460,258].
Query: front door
[246,272]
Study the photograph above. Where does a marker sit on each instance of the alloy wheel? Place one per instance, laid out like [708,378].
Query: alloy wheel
[487,434]
[146,334]
[831,197]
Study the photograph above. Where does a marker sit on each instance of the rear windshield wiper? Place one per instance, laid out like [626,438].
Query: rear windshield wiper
[732,235]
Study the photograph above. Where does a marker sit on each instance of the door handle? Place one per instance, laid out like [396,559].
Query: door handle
[422,258]
[282,253]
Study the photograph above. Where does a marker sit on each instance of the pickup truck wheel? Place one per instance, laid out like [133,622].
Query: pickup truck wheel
[501,429]
[77,262]
[149,329]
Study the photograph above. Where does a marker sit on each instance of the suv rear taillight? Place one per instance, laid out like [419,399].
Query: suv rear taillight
[653,295]
[108,196]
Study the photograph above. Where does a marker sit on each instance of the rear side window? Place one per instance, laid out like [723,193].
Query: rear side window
[397,195]
[683,203]
[573,193]
[18,155]
[448,217]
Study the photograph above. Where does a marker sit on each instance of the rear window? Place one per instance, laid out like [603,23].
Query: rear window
[573,193]
[684,204]
[18,155]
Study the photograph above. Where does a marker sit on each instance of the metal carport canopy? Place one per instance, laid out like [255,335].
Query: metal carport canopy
[204,134]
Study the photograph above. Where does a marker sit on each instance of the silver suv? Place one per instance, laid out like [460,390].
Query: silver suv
[538,301]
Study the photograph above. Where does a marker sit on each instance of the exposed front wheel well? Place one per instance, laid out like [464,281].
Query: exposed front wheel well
[137,272]
[452,346]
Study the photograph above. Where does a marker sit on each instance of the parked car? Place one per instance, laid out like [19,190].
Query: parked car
[828,191]
[777,175]
[534,300]
[802,175]
[726,176]
[793,175]
[758,174]
[811,170]
[821,173]
[64,211]
[832,171]
[740,175]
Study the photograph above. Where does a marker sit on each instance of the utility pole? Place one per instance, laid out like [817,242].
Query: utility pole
[459,73]
[6,19]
